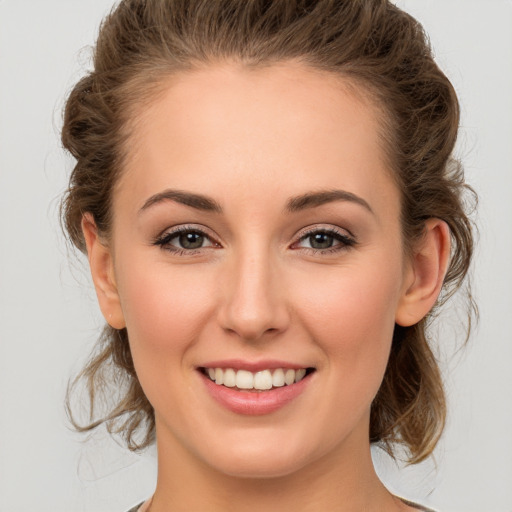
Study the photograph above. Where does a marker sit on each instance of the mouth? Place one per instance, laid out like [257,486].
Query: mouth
[263,380]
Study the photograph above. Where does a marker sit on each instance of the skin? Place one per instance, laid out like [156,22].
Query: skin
[250,140]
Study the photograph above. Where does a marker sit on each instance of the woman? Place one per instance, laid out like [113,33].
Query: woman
[266,196]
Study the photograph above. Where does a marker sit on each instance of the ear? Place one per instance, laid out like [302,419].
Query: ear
[425,273]
[102,270]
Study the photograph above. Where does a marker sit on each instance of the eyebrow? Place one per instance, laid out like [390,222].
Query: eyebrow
[294,204]
[314,199]
[197,201]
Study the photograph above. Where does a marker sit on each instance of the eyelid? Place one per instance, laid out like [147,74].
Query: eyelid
[325,228]
[345,238]
[165,236]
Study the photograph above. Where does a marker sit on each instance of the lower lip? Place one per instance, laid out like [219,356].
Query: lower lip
[255,403]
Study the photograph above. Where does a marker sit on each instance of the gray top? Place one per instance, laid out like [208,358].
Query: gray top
[134,509]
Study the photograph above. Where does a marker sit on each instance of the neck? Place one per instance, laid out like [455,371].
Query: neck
[344,479]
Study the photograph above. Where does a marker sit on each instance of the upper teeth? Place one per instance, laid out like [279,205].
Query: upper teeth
[262,380]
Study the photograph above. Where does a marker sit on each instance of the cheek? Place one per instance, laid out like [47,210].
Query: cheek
[352,317]
[164,306]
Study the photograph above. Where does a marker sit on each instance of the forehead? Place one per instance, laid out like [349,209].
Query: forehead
[288,125]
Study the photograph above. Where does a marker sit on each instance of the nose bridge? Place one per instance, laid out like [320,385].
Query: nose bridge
[254,303]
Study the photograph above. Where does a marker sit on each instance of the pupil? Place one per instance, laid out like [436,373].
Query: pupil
[191,240]
[321,241]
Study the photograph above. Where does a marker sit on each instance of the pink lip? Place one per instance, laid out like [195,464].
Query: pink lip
[254,403]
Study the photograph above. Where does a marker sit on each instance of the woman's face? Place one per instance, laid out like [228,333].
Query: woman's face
[256,236]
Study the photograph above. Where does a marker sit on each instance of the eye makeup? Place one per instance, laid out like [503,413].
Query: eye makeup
[188,240]
[185,240]
[324,240]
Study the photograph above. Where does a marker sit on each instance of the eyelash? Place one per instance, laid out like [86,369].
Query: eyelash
[345,242]
[164,240]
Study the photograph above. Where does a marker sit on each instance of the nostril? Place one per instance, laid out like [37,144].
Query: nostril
[251,330]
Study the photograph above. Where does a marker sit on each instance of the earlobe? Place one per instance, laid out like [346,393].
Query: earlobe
[426,273]
[102,271]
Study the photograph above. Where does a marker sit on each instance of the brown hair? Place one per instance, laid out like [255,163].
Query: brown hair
[369,42]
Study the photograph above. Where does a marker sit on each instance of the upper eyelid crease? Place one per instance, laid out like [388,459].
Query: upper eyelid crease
[178,230]
[341,232]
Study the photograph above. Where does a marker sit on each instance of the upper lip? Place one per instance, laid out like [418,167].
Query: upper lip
[253,366]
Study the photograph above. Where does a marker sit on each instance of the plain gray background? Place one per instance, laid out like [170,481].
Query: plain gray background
[49,318]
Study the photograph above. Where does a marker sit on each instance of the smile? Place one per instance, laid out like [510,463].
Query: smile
[263,380]
[264,390]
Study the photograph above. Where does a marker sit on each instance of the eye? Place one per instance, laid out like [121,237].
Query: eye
[184,239]
[324,240]
[190,240]
[320,240]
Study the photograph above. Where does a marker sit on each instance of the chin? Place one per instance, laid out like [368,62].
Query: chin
[261,459]
[264,466]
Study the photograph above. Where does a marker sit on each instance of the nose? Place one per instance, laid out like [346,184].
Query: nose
[254,305]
